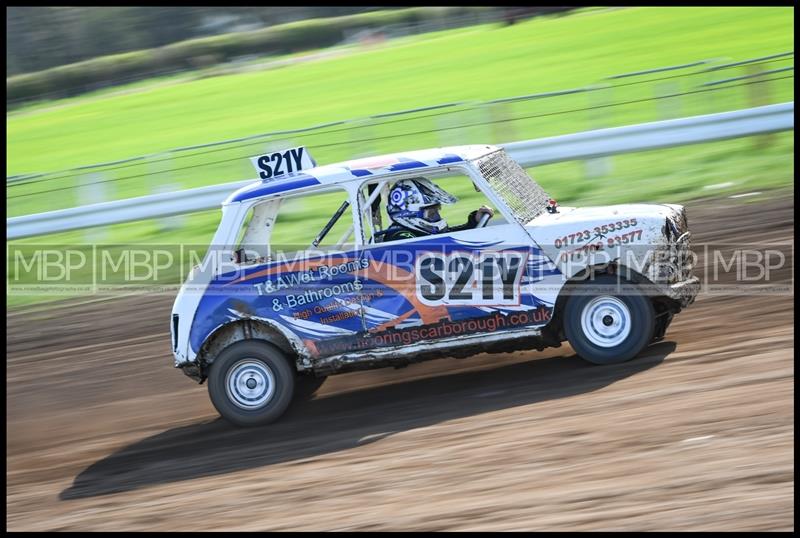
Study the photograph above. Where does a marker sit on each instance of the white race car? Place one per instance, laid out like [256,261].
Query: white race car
[265,318]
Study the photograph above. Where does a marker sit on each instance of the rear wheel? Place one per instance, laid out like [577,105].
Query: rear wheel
[251,383]
[606,325]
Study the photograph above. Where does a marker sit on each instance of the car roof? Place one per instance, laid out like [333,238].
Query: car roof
[358,169]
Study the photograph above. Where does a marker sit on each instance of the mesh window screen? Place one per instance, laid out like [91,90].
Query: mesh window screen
[509,180]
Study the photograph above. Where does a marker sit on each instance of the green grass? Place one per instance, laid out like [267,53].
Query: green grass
[271,62]
[535,56]
[480,63]
[477,63]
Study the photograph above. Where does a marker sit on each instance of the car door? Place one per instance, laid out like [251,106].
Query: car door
[452,284]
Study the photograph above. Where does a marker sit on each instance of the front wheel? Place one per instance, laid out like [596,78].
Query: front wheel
[605,326]
[251,383]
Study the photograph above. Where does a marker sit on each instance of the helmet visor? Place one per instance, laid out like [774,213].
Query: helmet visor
[431,213]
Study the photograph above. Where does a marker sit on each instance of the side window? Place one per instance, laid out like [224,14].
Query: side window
[252,241]
[290,226]
[376,218]
[469,199]
[305,219]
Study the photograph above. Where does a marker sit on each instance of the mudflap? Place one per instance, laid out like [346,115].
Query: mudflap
[194,371]
[663,320]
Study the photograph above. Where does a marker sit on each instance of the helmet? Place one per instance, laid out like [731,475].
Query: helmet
[414,203]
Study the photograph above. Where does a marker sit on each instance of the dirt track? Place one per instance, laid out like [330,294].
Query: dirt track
[695,434]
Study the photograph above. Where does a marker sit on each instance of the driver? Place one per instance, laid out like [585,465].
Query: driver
[414,205]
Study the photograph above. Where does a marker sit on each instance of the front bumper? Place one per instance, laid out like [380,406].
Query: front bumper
[685,291]
[673,270]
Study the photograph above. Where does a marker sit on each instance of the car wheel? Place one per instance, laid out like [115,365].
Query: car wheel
[607,325]
[251,383]
[306,386]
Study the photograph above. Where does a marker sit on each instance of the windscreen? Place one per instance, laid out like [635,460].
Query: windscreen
[526,199]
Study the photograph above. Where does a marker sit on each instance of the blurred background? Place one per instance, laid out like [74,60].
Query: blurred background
[107,104]
[111,103]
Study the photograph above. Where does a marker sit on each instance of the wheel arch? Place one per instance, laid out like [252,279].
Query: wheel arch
[249,329]
[663,304]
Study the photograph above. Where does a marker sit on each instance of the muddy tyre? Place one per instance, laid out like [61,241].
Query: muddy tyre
[251,383]
[606,324]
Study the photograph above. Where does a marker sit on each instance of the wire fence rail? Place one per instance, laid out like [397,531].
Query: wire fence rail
[663,93]
[583,145]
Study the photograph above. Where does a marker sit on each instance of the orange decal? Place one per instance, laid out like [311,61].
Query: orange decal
[392,322]
[407,288]
[400,280]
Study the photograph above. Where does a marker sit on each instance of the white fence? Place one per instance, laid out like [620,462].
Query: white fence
[584,145]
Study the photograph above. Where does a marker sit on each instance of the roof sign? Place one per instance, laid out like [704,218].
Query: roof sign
[273,166]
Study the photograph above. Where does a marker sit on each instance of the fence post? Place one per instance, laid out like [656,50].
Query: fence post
[501,118]
[758,95]
[598,97]
[92,190]
[668,107]
[706,76]
[361,138]
[451,132]
[482,120]
[160,182]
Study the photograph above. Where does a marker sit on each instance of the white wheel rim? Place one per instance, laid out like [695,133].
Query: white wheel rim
[606,321]
[250,384]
